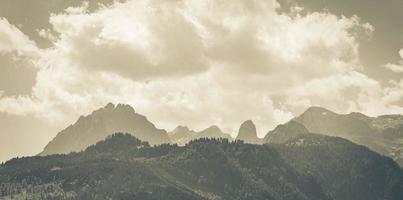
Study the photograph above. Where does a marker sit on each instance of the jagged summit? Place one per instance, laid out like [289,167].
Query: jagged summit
[102,122]
[247,132]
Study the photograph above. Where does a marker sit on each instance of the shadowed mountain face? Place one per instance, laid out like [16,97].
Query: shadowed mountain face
[182,135]
[308,167]
[383,134]
[95,127]
[247,133]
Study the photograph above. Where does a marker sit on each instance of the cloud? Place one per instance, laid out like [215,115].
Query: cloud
[148,39]
[398,68]
[17,56]
[199,63]
[138,40]
[174,43]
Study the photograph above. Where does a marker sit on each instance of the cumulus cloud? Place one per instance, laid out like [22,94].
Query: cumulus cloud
[138,40]
[199,63]
[148,39]
[398,68]
[17,56]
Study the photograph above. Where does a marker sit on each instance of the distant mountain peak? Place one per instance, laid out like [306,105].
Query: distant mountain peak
[247,132]
[181,128]
[318,111]
[212,132]
[101,123]
[182,135]
[213,128]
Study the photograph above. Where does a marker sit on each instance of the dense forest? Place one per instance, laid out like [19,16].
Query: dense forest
[309,167]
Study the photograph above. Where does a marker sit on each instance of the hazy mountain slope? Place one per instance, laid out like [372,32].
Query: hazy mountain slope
[95,127]
[247,133]
[310,167]
[383,134]
[212,132]
[320,120]
[182,135]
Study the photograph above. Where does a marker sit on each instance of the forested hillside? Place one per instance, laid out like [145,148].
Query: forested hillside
[311,167]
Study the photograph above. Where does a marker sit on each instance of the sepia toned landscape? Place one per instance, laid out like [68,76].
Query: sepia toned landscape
[201,100]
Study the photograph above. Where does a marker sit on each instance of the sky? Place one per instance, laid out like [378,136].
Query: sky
[193,62]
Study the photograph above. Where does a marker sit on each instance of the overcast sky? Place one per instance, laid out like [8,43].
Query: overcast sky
[193,62]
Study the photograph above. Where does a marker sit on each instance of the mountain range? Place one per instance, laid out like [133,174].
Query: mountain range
[383,134]
[308,167]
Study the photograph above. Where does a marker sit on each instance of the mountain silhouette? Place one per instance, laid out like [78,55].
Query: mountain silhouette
[99,124]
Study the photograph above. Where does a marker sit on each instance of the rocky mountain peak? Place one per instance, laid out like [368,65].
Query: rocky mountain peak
[247,132]
[101,123]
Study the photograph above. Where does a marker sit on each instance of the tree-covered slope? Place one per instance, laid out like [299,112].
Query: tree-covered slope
[122,167]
